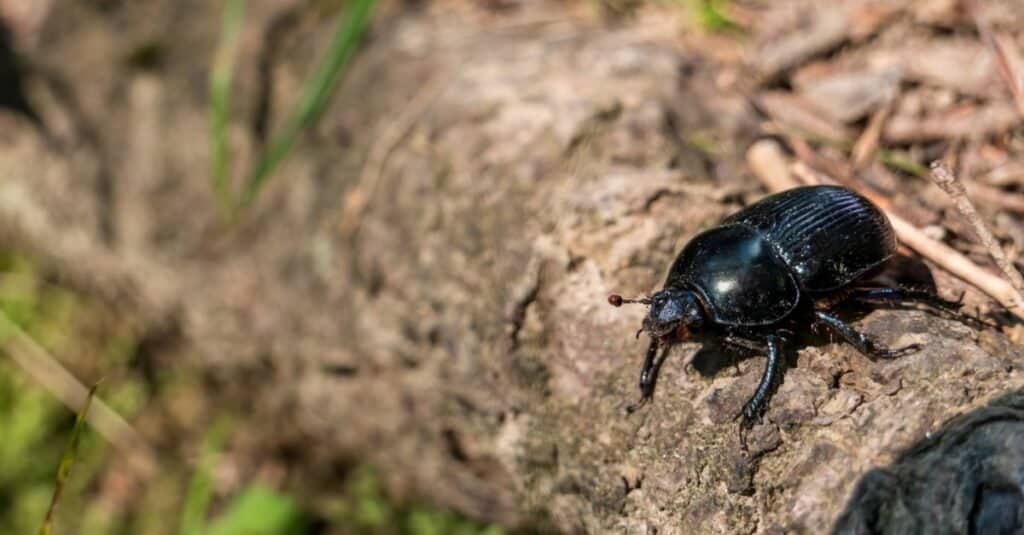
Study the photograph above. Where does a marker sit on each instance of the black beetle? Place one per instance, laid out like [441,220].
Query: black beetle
[778,266]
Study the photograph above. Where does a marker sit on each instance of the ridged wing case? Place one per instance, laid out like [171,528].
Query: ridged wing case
[828,235]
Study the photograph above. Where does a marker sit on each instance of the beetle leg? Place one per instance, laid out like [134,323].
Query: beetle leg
[861,341]
[890,296]
[754,408]
[896,296]
[649,374]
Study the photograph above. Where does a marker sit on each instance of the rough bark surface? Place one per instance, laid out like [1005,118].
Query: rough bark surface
[456,332]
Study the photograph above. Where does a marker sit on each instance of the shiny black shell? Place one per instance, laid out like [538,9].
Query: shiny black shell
[754,268]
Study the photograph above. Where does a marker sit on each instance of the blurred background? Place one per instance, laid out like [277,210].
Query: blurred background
[337,266]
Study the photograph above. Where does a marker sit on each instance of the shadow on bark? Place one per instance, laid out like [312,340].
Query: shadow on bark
[967,478]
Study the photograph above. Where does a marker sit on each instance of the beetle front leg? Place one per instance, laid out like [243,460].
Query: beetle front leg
[861,341]
[754,409]
[649,374]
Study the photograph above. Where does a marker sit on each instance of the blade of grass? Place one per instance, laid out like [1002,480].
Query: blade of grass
[258,510]
[711,15]
[902,162]
[43,368]
[200,492]
[220,103]
[66,462]
[316,92]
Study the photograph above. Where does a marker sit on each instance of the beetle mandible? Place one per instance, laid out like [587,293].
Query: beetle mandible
[782,263]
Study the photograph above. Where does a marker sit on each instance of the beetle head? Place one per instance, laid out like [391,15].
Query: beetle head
[674,315]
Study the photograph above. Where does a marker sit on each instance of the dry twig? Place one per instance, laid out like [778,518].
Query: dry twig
[942,177]
[1007,174]
[867,143]
[766,160]
[1007,58]
[996,197]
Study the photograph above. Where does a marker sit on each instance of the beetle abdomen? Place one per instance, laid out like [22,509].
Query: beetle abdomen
[828,235]
[738,274]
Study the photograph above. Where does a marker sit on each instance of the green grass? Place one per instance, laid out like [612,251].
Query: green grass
[36,426]
[67,461]
[363,510]
[221,74]
[258,510]
[315,95]
[901,161]
[201,490]
[40,434]
[29,418]
[711,15]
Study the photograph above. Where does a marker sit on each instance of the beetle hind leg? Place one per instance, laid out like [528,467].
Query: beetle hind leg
[905,296]
[861,341]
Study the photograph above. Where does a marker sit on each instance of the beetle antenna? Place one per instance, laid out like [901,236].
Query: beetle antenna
[617,300]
